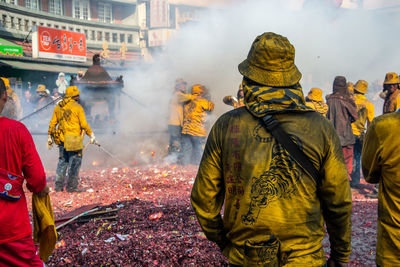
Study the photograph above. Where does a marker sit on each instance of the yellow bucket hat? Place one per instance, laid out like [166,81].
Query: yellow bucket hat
[41,88]
[315,94]
[361,87]
[391,78]
[271,61]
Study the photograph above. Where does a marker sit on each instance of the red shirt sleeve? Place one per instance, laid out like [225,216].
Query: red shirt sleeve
[32,166]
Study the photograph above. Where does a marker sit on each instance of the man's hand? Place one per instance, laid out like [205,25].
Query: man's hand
[44,192]
[333,263]
[49,142]
[92,139]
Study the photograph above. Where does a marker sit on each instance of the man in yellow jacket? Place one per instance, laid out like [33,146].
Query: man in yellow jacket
[175,122]
[274,212]
[315,101]
[194,130]
[380,164]
[365,113]
[391,93]
[67,128]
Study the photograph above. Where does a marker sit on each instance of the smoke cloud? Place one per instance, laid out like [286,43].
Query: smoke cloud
[358,44]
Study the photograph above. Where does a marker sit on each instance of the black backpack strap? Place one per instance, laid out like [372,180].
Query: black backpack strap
[274,128]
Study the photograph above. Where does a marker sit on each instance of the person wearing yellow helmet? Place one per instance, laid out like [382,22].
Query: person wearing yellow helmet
[315,101]
[194,130]
[175,121]
[391,93]
[365,113]
[274,211]
[66,129]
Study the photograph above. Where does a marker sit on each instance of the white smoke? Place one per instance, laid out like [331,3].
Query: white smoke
[358,44]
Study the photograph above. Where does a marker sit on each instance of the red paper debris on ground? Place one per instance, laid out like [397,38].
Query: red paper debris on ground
[156,226]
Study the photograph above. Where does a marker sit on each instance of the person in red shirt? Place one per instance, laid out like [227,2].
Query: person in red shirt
[19,161]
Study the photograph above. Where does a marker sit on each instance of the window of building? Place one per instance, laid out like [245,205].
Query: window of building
[93,34]
[99,36]
[4,21]
[107,36]
[12,22]
[86,34]
[63,27]
[105,12]
[19,24]
[81,9]
[55,6]
[71,29]
[32,4]
[78,30]
[26,25]
[122,37]
[115,38]
[130,39]
[56,26]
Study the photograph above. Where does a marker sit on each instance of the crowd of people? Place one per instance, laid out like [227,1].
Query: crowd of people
[280,163]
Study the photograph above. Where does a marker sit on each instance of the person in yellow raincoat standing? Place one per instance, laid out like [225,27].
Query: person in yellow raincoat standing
[315,101]
[12,109]
[66,129]
[381,165]
[391,93]
[175,122]
[365,115]
[194,130]
[274,212]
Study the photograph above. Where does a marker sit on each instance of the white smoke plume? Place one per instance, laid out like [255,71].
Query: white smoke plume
[358,44]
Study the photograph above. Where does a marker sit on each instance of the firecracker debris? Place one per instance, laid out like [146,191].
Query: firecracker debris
[144,218]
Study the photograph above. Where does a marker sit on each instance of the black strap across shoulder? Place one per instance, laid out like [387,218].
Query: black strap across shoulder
[274,128]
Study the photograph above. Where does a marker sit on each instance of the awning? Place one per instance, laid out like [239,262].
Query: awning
[23,65]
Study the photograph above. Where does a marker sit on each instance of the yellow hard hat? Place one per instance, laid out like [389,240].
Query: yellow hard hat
[361,87]
[41,88]
[315,94]
[197,89]
[391,78]
[72,91]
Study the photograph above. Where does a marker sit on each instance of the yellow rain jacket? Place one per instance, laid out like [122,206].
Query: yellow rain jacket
[320,107]
[194,118]
[365,112]
[264,190]
[67,124]
[176,107]
[381,164]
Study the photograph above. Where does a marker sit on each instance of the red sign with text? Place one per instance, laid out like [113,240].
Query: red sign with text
[61,44]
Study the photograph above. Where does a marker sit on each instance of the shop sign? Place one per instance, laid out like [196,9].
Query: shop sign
[10,50]
[58,44]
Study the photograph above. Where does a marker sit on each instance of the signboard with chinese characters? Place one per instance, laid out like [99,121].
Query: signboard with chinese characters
[159,37]
[58,44]
[158,13]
